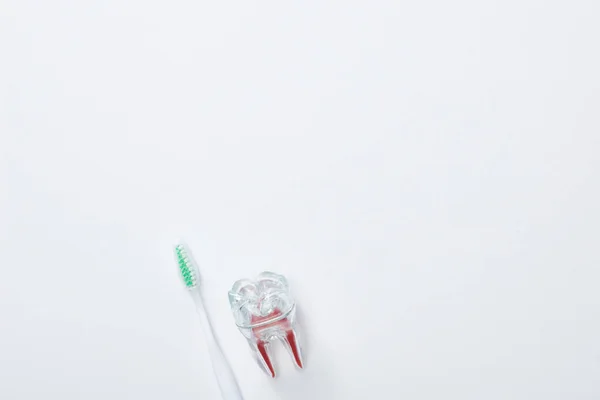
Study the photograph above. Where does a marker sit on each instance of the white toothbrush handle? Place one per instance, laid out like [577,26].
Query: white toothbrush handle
[225,377]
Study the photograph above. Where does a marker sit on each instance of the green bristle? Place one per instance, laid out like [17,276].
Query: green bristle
[188,272]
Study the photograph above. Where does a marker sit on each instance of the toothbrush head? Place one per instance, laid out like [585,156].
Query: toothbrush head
[187,267]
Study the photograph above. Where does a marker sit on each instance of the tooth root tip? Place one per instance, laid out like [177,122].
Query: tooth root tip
[294,347]
[266,359]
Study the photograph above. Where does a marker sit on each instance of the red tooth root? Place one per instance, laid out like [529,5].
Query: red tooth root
[290,338]
[262,349]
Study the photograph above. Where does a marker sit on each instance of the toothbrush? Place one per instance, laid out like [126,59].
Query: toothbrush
[190,274]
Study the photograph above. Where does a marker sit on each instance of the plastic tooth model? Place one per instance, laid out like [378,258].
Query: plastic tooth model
[264,311]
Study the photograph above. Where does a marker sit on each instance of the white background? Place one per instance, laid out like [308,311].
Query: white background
[425,173]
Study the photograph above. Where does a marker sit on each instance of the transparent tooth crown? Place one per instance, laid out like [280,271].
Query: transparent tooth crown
[264,311]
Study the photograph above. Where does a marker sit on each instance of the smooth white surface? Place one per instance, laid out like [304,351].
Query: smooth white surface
[426,173]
